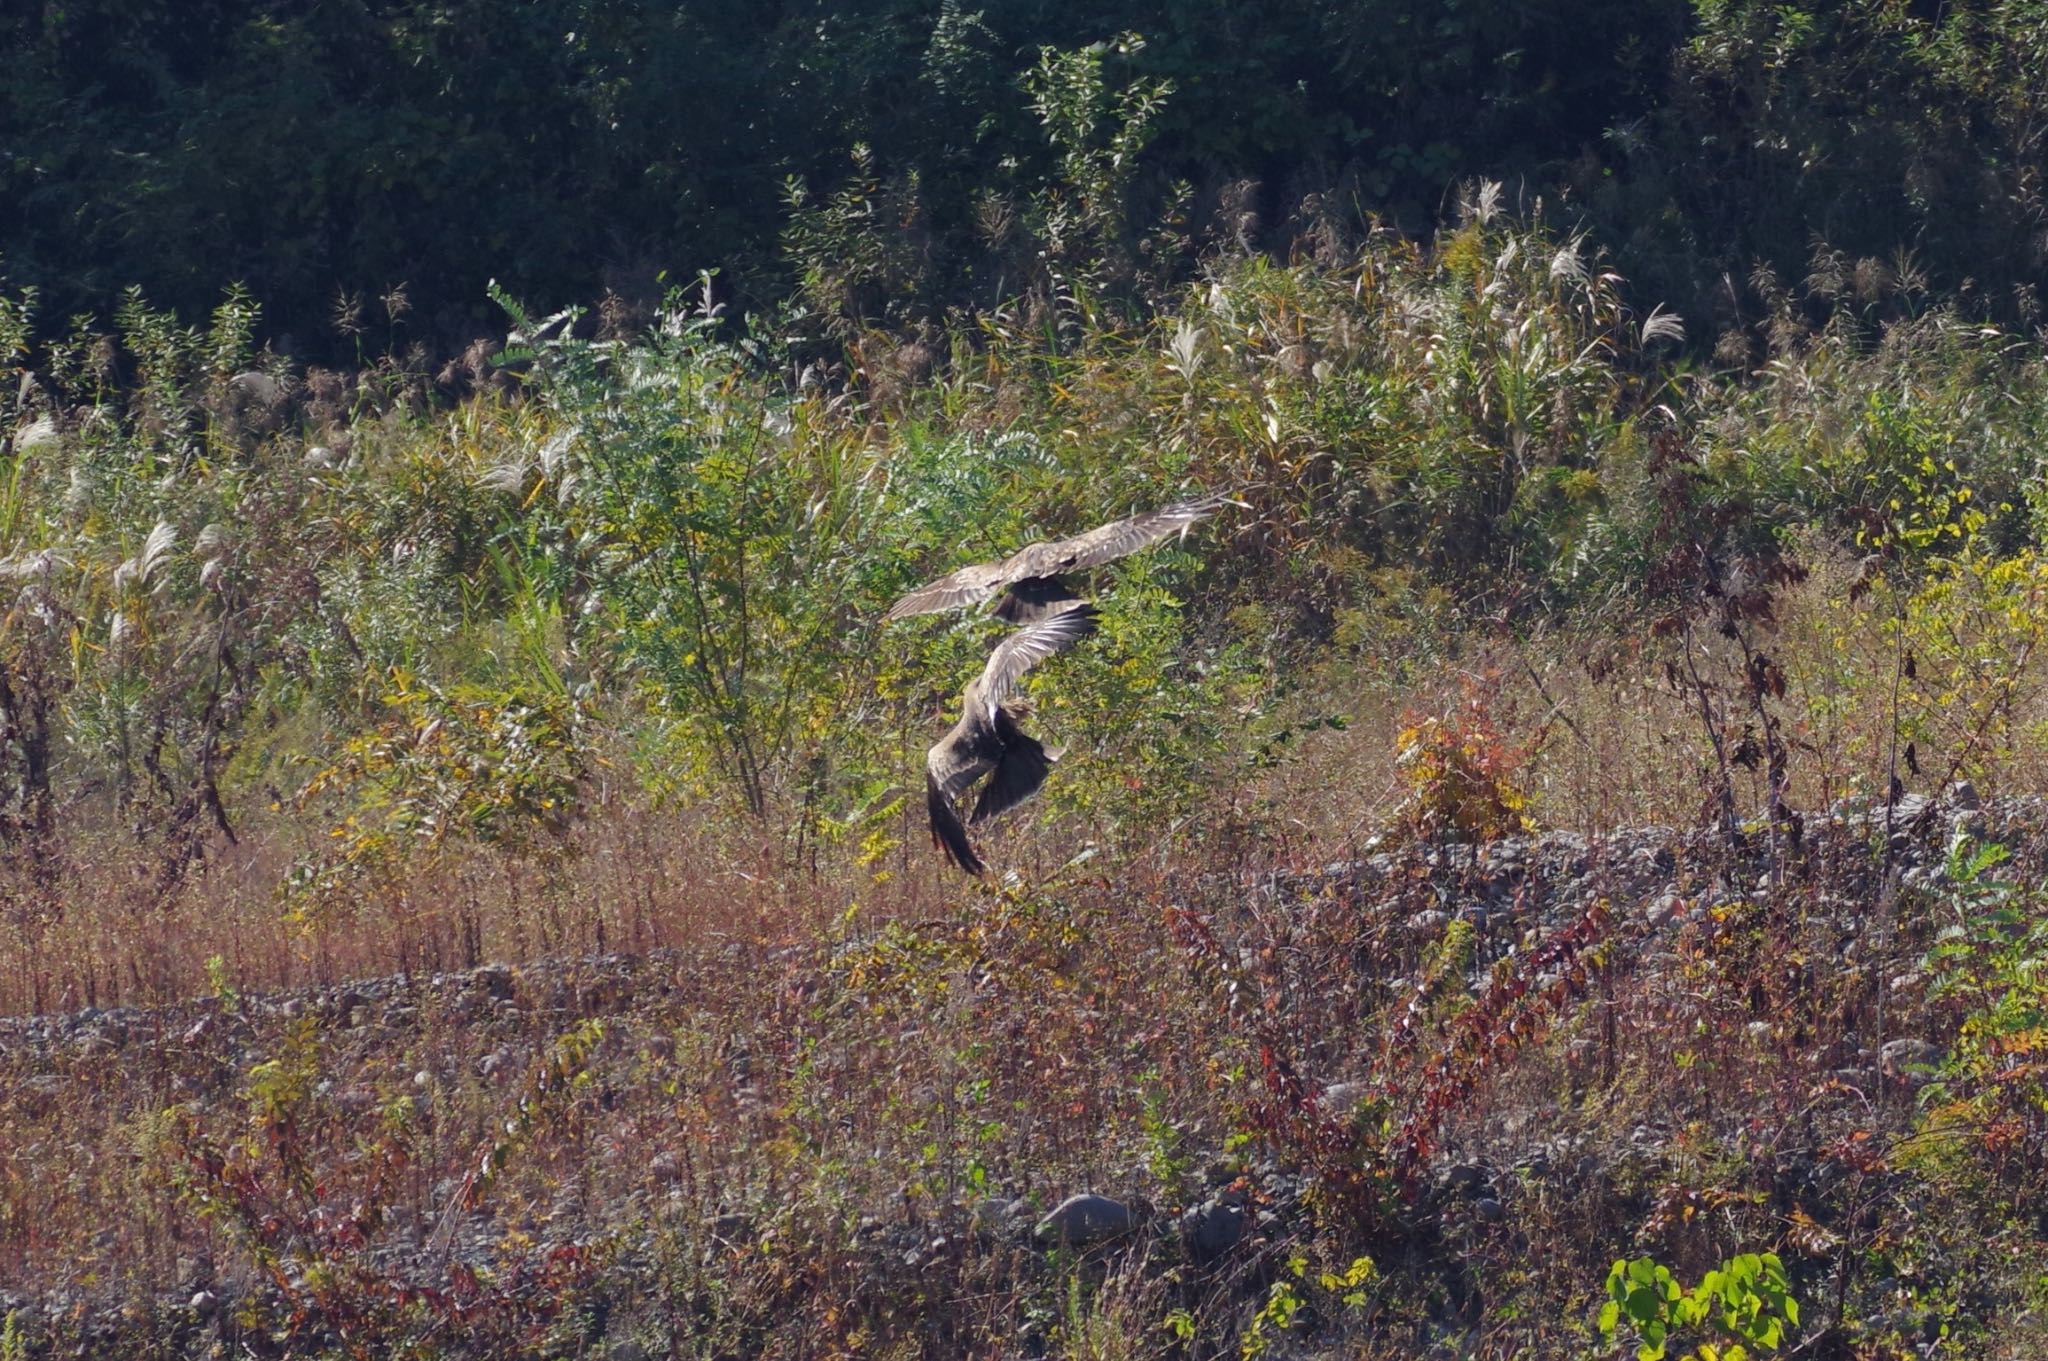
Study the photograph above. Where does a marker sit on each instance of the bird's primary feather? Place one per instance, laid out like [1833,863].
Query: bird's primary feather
[1029,646]
[947,833]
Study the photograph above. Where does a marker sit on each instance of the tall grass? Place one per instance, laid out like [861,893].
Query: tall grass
[287,641]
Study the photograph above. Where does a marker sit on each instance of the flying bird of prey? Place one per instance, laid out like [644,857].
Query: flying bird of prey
[1031,578]
[988,741]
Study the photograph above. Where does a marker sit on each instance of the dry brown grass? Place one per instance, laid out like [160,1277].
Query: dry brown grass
[1611,744]
[812,1069]
[1615,745]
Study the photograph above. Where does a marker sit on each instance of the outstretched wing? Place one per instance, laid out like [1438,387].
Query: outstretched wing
[968,586]
[1027,647]
[1104,543]
[1107,543]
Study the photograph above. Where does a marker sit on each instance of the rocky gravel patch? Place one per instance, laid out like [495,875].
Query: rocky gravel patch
[1508,894]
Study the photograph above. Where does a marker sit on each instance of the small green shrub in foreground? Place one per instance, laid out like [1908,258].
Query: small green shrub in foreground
[1747,1300]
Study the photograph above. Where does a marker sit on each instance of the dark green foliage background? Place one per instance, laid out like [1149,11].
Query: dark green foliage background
[561,145]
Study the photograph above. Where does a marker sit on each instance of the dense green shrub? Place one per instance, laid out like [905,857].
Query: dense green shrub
[1905,137]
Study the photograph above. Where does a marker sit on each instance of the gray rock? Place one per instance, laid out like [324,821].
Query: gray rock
[1489,1210]
[1900,1055]
[1213,1228]
[1086,1218]
[1908,810]
[1005,1218]
[255,388]
[495,979]
[1340,1100]
[1456,856]
[1466,1179]
[732,1228]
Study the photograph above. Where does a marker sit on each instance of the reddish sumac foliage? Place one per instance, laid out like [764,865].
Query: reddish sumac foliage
[1514,1010]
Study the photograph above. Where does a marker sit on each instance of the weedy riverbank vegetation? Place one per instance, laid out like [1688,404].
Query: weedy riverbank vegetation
[564,663]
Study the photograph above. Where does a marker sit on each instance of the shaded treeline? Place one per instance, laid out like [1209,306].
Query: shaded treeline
[573,146]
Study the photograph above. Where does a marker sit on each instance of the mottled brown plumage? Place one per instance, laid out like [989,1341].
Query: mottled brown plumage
[1031,577]
[987,740]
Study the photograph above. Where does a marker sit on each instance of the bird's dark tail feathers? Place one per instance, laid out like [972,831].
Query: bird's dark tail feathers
[947,832]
